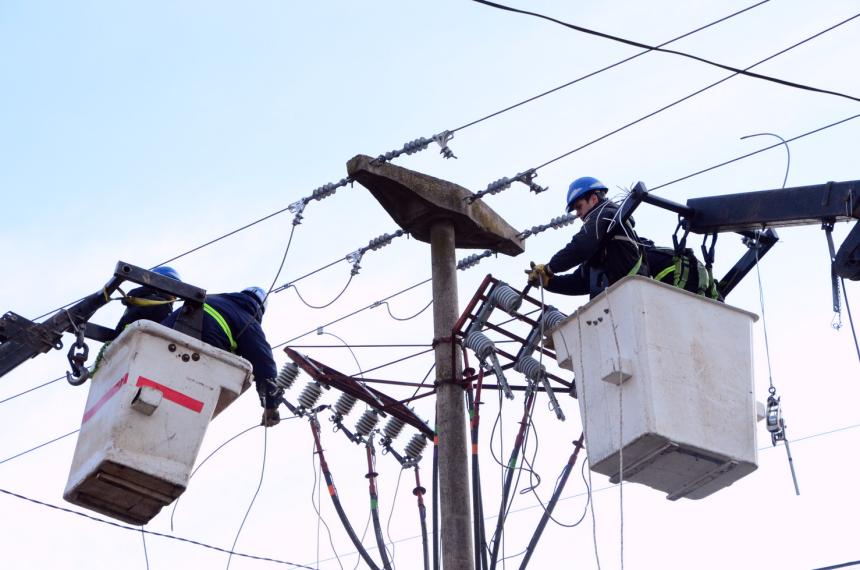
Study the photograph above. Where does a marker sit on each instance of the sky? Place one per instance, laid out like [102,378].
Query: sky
[139,131]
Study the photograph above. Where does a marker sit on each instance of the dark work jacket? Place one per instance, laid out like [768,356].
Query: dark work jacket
[601,261]
[239,310]
[134,313]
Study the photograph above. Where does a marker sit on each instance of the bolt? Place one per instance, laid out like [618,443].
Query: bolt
[599,319]
[185,358]
[171,347]
[605,311]
[195,357]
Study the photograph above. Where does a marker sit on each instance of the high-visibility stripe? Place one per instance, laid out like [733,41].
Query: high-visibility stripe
[172,395]
[636,267]
[221,323]
[664,273]
[107,396]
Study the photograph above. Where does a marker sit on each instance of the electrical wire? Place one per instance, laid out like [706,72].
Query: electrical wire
[316,503]
[348,347]
[607,68]
[850,318]
[145,554]
[686,97]
[254,498]
[41,445]
[633,43]
[342,291]
[391,515]
[390,314]
[755,152]
[152,533]
[202,463]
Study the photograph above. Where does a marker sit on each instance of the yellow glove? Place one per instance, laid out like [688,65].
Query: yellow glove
[539,274]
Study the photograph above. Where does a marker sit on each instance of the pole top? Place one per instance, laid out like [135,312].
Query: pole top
[416,201]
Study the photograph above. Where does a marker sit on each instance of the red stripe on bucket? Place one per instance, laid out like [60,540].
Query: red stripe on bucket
[107,396]
[172,395]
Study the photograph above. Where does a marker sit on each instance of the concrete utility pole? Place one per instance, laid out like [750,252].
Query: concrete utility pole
[438,212]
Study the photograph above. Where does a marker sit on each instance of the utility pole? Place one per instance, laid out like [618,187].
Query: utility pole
[441,213]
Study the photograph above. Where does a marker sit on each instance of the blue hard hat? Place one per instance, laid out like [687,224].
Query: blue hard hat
[259,295]
[167,271]
[582,186]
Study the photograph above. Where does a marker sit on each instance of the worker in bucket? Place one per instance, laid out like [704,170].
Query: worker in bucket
[603,251]
[233,322]
[147,304]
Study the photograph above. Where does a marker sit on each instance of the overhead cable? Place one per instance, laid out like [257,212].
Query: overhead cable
[153,533]
[607,68]
[675,52]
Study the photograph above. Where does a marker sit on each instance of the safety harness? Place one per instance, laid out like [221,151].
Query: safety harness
[222,322]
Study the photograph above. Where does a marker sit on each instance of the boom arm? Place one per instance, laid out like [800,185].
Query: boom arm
[747,212]
[22,339]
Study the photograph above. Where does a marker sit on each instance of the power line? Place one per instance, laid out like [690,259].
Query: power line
[749,154]
[674,52]
[689,96]
[607,68]
[152,533]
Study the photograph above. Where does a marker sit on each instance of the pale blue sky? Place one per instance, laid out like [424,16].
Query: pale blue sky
[137,131]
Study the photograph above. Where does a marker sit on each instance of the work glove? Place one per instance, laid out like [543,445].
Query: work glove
[271,417]
[539,274]
[270,394]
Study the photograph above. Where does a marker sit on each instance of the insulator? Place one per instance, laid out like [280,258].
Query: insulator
[367,422]
[382,241]
[504,297]
[416,145]
[551,318]
[530,368]
[415,446]
[328,189]
[288,374]
[393,427]
[472,260]
[310,395]
[480,344]
[562,221]
[344,404]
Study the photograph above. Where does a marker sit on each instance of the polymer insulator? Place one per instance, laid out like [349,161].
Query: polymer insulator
[288,374]
[552,317]
[328,189]
[367,422]
[504,297]
[381,241]
[416,145]
[393,427]
[344,404]
[530,368]
[310,395]
[472,260]
[480,344]
[415,446]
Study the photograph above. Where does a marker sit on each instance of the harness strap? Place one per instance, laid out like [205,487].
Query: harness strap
[209,310]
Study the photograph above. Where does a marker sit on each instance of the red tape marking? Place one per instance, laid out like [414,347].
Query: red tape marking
[172,395]
[107,396]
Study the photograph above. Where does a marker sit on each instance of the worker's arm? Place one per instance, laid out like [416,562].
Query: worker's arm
[580,249]
[575,283]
